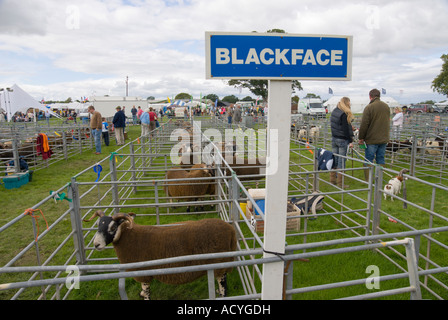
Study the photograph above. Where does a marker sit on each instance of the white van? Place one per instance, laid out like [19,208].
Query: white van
[312,107]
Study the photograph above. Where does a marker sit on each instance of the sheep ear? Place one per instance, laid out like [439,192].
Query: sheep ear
[132,215]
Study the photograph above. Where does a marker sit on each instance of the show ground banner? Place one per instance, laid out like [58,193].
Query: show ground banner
[278,56]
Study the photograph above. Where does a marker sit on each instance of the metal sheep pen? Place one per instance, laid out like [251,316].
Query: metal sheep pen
[20,141]
[133,179]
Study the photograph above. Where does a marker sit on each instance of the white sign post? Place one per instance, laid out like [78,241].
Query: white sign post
[279,124]
[279,58]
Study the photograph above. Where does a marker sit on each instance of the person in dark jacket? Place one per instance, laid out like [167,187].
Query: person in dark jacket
[119,122]
[375,127]
[342,137]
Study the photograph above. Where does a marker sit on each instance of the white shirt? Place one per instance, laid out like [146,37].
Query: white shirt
[397,120]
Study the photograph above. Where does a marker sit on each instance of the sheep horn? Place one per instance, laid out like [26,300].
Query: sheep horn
[124,216]
[403,171]
[97,213]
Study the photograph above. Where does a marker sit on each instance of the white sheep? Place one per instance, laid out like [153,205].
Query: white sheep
[314,134]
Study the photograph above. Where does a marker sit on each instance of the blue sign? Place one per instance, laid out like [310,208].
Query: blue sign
[278,56]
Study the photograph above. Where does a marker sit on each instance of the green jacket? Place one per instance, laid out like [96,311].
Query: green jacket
[375,123]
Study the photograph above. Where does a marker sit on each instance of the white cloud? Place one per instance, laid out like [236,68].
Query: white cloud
[92,45]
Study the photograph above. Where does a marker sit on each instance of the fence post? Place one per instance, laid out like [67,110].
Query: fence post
[15,151]
[79,140]
[64,144]
[315,174]
[413,270]
[413,155]
[143,150]
[156,199]
[377,199]
[113,178]
[234,212]
[289,277]
[75,215]
[131,149]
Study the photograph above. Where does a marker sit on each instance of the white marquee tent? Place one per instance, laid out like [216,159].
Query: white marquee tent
[358,103]
[16,100]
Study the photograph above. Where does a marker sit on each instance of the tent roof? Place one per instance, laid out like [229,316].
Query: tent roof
[20,101]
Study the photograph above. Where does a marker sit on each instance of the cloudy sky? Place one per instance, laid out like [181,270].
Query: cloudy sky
[59,49]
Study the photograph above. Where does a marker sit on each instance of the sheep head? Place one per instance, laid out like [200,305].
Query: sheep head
[109,228]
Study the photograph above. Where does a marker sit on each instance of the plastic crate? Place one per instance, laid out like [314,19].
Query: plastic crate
[292,222]
[16,180]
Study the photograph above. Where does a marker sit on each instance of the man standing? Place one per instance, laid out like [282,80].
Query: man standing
[134,115]
[152,119]
[119,122]
[237,114]
[144,119]
[96,125]
[47,116]
[374,129]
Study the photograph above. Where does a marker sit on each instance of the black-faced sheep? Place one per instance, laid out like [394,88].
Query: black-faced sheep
[395,145]
[188,189]
[137,243]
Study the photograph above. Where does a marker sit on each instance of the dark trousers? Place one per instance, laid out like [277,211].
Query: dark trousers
[106,138]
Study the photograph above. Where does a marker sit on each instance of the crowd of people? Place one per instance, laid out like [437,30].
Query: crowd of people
[148,120]
[39,115]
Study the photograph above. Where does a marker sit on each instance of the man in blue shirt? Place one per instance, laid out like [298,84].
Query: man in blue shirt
[144,119]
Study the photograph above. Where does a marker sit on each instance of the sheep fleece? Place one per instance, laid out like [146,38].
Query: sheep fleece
[194,188]
[189,237]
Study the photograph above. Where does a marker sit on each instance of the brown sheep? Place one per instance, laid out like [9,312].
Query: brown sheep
[137,243]
[188,189]
[243,167]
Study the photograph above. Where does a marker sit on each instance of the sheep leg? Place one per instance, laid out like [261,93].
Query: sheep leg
[222,285]
[146,291]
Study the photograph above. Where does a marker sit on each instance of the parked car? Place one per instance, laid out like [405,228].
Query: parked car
[420,108]
[439,109]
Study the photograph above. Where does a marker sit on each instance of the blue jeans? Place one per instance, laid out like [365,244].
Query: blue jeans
[97,138]
[376,151]
[339,146]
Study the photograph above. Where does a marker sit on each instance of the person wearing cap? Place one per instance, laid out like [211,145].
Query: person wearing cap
[119,122]
[96,126]
[144,119]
